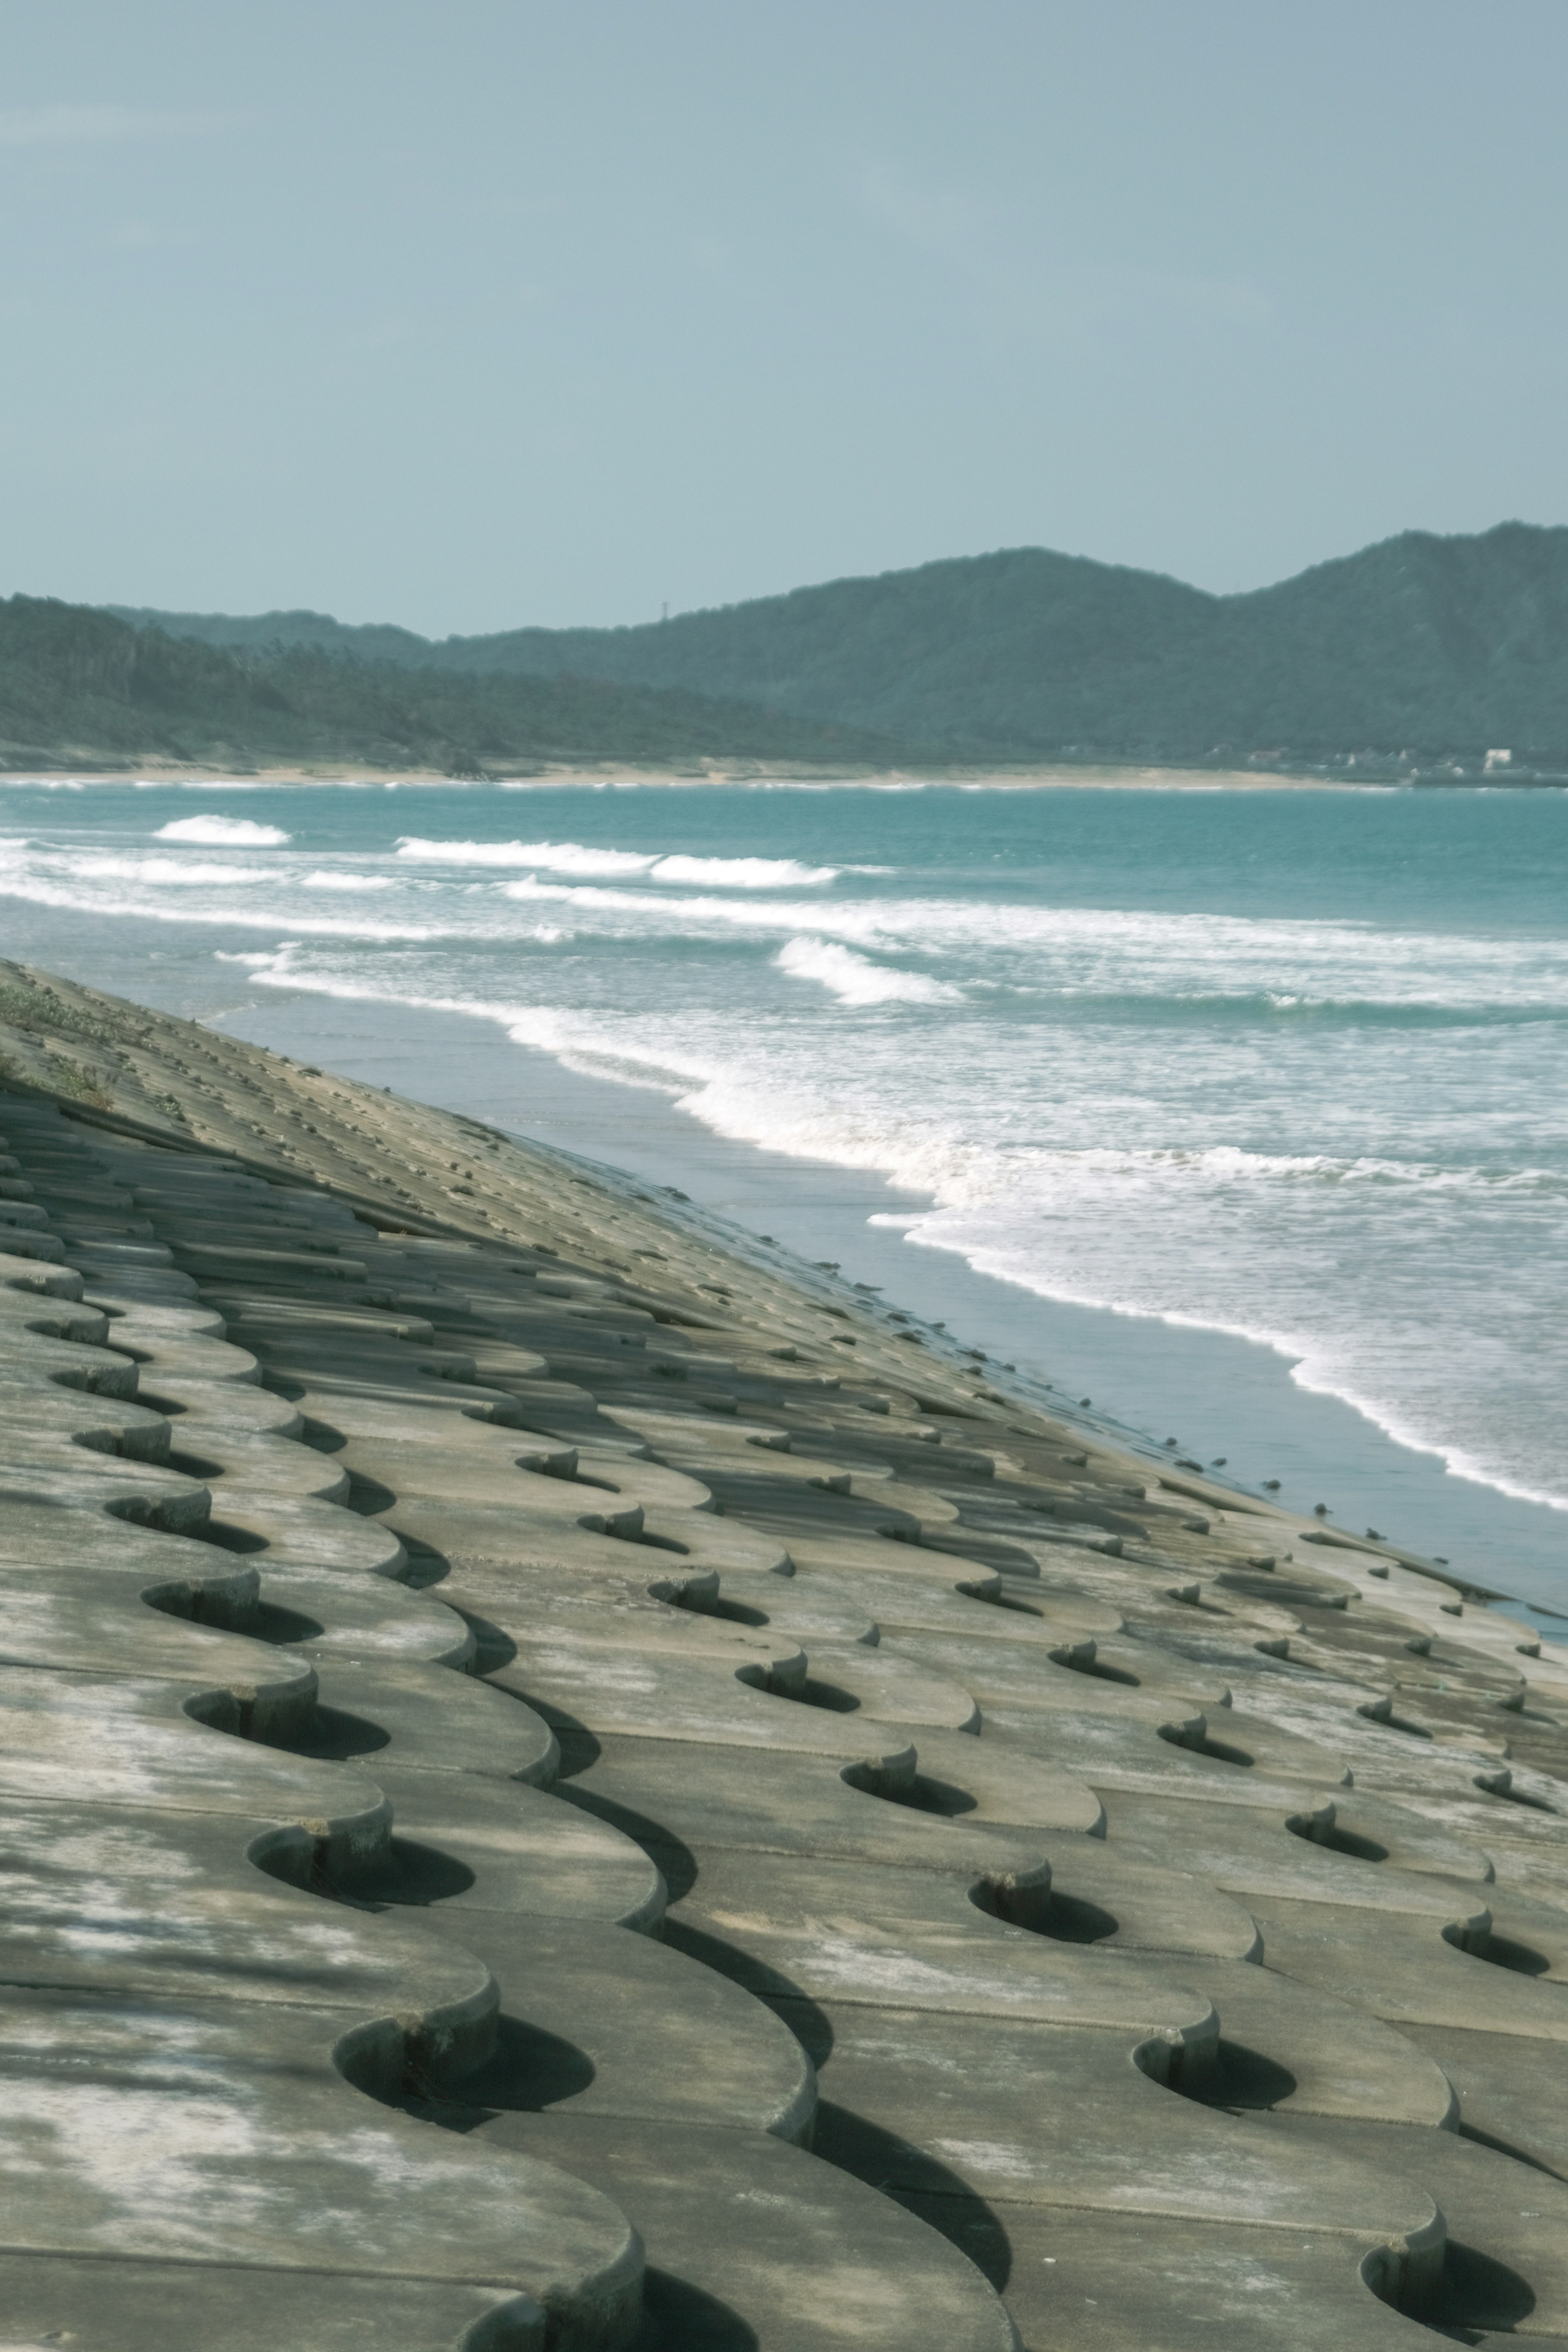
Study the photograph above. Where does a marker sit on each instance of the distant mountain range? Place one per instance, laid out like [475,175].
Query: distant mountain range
[1422,645]
[1418,655]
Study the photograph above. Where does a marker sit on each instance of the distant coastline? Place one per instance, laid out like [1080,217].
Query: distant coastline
[1044,775]
[1425,661]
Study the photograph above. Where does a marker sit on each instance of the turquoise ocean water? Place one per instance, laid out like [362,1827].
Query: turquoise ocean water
[1282,1065]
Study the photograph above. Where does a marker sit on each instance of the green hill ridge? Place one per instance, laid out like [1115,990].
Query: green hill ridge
[1425,645]
[81,687]
[1422,653]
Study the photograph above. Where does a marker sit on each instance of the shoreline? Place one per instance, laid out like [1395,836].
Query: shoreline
[1221,1394]
[192,1111]
[1024,776]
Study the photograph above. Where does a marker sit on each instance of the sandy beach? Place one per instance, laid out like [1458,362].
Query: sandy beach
[575,1779]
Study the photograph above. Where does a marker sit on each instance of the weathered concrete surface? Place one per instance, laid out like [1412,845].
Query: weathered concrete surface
[543,1799]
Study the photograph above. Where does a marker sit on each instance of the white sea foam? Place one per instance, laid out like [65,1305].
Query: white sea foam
[550,856]
[181,871]
[856,979]
[224,832]
[1086,952]
[660,915]
[744,872]
[323,879]
[651,865]
[116,898]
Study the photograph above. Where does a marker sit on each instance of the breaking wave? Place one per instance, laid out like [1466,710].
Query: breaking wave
[224,832]
[652,866]
[856,979]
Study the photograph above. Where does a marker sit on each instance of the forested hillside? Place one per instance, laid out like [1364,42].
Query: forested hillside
[1433,645]
[82,687]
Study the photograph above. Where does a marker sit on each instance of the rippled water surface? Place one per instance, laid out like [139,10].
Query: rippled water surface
[1288,1064]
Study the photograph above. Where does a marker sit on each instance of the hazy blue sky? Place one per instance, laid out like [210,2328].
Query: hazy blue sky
[505,310]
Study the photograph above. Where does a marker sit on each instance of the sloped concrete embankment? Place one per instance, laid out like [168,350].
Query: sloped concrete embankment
[720,1850]
[247,1978]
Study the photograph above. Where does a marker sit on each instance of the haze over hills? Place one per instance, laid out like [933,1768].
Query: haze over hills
[1436,647]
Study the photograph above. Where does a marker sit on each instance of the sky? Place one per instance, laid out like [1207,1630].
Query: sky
[553,311]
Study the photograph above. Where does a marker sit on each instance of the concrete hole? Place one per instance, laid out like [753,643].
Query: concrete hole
[368,1496]
[230,1609]
[1220,1751]
[786,1679]
[1336,1836]
[321,1437]
[1515,1795]
[407,1876]
[1246,2082]
[412,1876]
[814,1693]
[1499,1952]
[920,1792]
[680,2317]
[169,1407]
[1224,1751]
[194,1466]
[1046,1910]
[494,1647]
[282,1627]
[735,1612]
[228,1538]
[528,2071]
[1503,1952]
[1473,2296]
[925,1794]
[1182,2066]
[1380,1711]
[334,1736]
[1083,1658]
